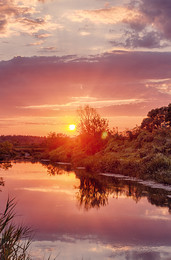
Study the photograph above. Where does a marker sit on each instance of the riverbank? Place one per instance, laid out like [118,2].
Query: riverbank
[147,156]
[143,153]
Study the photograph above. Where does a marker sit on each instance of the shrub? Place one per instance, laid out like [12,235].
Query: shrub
[157,163]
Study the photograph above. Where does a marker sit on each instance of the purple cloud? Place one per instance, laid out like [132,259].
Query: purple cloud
[149,27]
[126,79]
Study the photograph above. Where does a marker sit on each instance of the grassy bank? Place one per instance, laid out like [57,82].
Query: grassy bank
[144,152]
[146,156]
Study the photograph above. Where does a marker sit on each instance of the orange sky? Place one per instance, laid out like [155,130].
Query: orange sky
[58,55]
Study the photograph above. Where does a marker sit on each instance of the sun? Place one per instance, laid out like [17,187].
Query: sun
[72,127]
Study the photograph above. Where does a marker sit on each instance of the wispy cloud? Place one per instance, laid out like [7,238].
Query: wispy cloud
[35,43]
[42,35]
[81,101]
[112,15]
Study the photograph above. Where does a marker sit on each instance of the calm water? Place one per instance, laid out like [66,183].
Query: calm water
[79,217]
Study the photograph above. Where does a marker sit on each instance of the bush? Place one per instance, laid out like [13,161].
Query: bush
[157,163]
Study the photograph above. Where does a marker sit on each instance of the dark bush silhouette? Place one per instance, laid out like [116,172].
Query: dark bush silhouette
[157,118]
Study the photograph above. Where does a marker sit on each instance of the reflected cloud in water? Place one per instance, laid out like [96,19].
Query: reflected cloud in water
[87,249]
[94,217]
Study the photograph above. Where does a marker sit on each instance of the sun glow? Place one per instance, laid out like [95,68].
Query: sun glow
[72,127]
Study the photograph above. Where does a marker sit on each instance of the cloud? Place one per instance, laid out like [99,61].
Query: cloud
[17,17]
[50,86]
[144,39]
[35,43]
[48,49]
[84,33]
[42,35]
[112,15]
[157,13]
[147,40]
[82,101]
[151,28]
[143,24]
[163,86]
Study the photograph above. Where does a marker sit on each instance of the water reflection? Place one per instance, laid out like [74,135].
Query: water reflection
[89,217]
[91,194]
[4,166]
[53,170]
[2,183]
[94,191]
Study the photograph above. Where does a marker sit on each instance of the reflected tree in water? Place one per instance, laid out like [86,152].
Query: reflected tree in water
[91,194]
[2,183]
[5,165]
[53,170]
[94,191]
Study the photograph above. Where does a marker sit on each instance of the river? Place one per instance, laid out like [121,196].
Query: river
[78,216]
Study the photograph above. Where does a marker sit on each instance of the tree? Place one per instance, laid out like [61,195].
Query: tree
[6,149]
[157,118]
[90,121]
[168,116]
[93,130]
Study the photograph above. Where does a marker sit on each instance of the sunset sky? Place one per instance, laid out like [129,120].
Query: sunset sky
[56,55]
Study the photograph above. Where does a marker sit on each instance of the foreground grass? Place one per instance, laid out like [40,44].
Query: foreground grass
[14,240]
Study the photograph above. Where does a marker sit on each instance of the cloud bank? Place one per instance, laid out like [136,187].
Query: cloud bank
[116,83]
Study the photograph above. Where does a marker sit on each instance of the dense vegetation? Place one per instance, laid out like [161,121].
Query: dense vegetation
[143,152]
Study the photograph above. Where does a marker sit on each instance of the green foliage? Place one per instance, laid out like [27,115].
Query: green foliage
[157,162]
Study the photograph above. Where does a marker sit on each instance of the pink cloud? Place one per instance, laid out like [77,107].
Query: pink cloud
[112,15]
[17,18]
[122,80]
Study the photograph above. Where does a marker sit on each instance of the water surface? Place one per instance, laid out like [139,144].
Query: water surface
[79,216]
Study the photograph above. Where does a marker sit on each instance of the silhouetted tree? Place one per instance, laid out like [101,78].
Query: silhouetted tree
[90,121]
[168,116]
[93,129]
[157,118]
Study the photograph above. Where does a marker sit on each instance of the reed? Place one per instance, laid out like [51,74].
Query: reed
[14,239]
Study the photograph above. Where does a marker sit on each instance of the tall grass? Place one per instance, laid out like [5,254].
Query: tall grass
[14,240]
